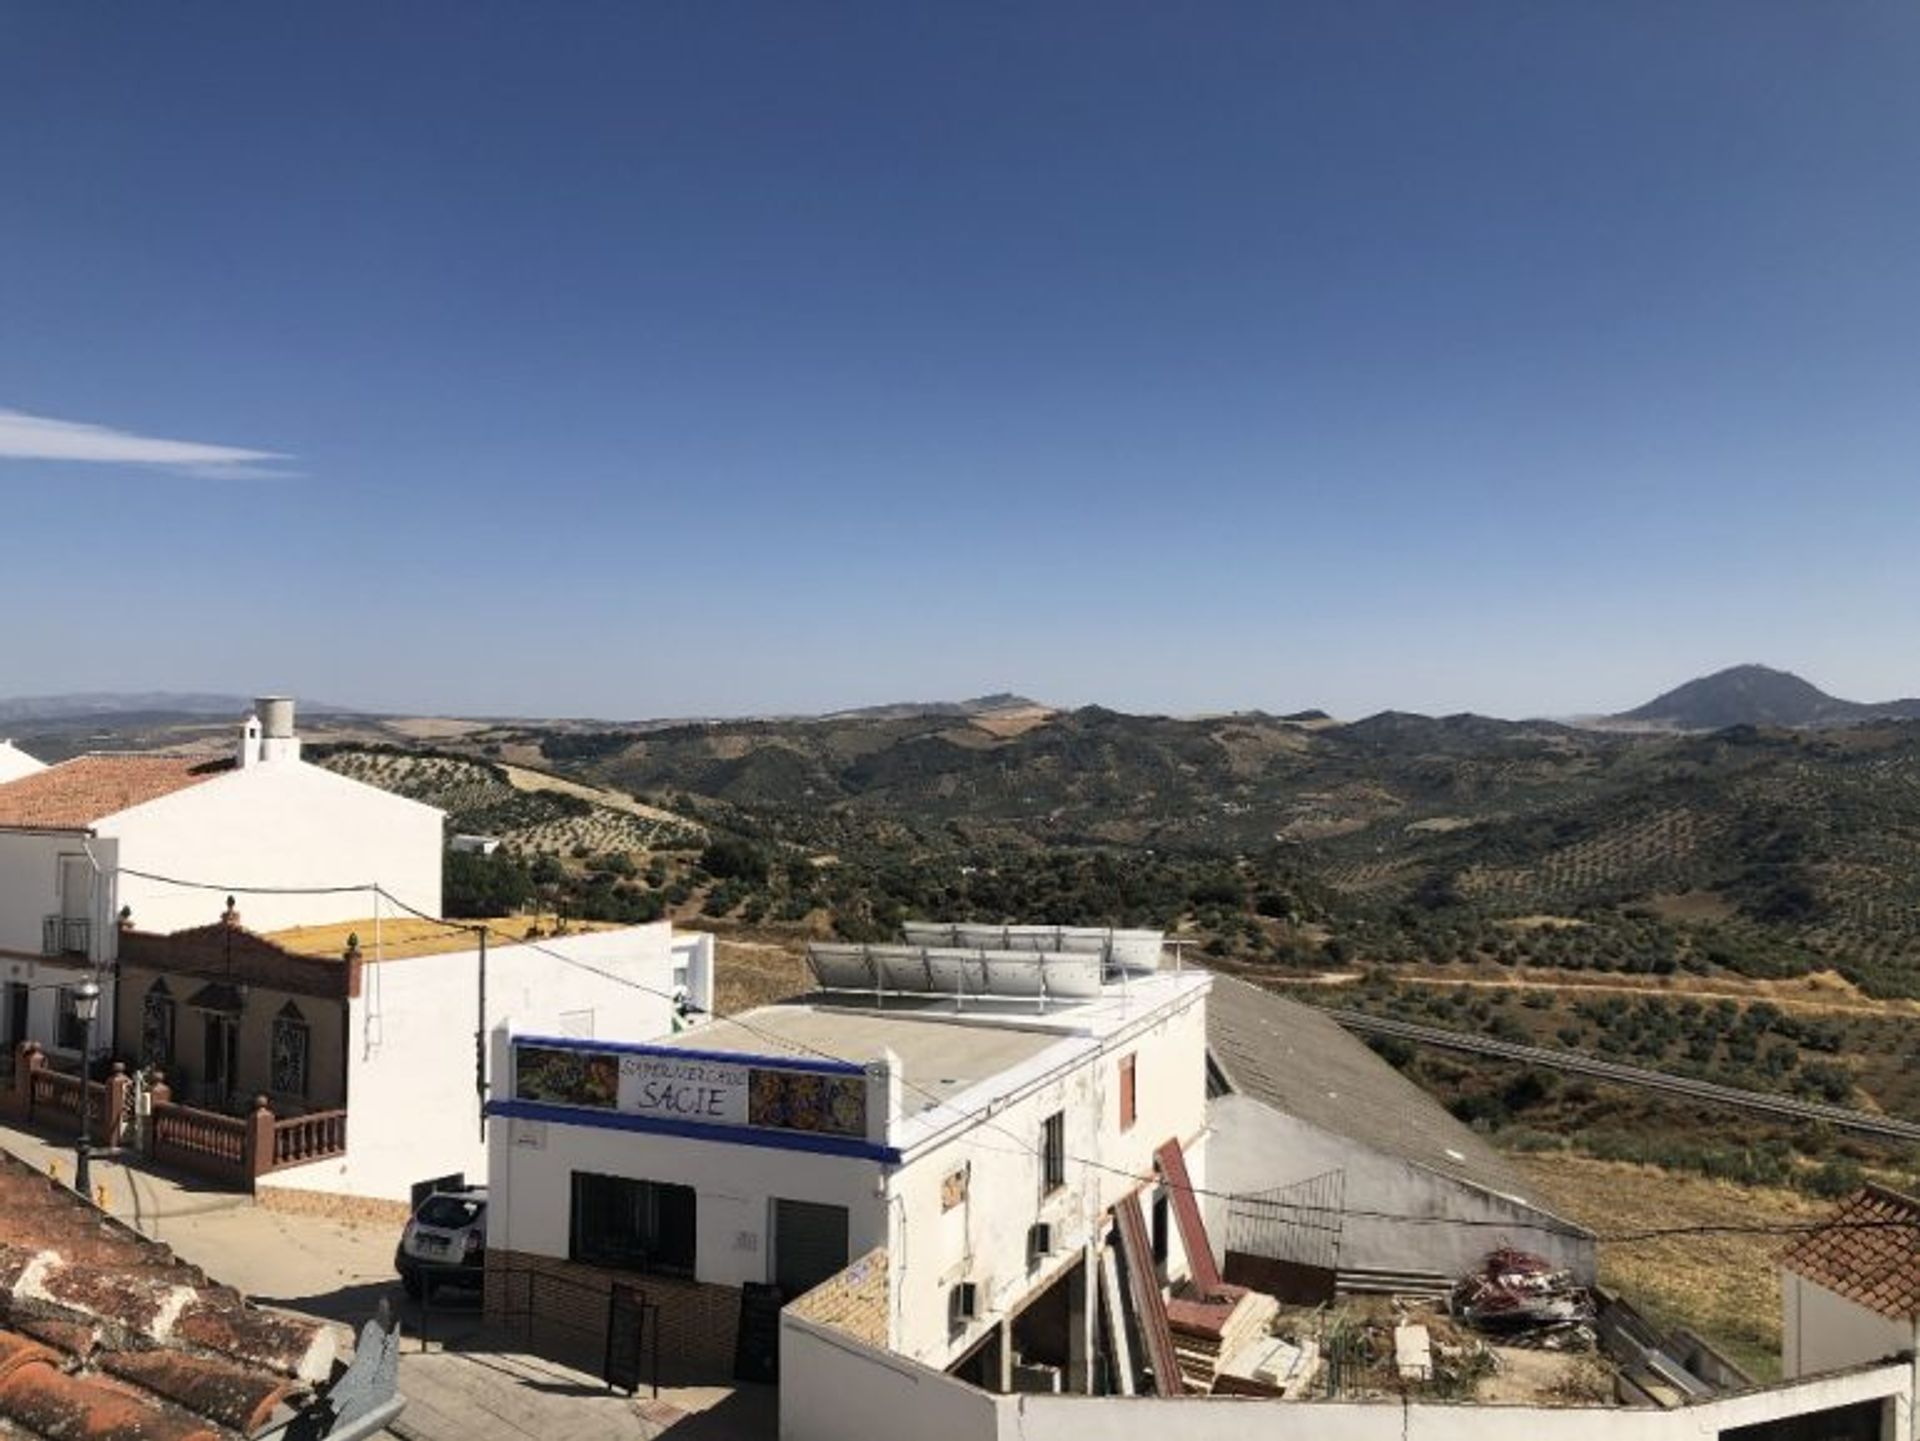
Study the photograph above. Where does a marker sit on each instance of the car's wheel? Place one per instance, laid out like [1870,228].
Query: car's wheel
[413,1284]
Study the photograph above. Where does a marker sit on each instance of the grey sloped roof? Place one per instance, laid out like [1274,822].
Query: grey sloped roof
[1300,1061]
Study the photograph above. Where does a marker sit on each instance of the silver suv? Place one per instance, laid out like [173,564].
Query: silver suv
[445,1241]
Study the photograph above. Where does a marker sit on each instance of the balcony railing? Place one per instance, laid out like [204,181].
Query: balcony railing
[66,936]
[231,1151]
[299,1139]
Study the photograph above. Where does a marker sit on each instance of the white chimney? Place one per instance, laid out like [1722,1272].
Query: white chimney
[249,742]
[267,735]
[277,740]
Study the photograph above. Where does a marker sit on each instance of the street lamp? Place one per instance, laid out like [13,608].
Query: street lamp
[86,1006]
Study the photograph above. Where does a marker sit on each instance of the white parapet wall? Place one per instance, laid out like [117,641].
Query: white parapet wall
[1821,1331]
[834,1387]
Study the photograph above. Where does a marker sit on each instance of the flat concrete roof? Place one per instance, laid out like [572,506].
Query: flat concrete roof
[953,1059]
[939,1059]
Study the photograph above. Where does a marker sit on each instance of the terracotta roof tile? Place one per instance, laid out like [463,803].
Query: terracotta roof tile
[1869,1252]
[107,1336]
[41,1399]
[236,1396]
[73,795]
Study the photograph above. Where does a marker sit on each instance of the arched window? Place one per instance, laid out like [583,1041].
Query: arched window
[156,1025]
[289,1066]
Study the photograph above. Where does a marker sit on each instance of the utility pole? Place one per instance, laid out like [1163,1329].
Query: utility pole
[480,1038]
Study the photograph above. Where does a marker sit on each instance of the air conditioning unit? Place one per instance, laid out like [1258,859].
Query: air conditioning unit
[963,1305]
[1039,1241]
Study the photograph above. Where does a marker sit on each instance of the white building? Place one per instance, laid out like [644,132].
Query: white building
[368,1051]
[412,1090]
[969,1120]
[1850,1292]
[1322,1151]
[74,836]
[15,763]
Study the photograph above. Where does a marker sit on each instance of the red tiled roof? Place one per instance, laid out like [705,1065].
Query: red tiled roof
[73,795]
[108,1336]
[1869,1252]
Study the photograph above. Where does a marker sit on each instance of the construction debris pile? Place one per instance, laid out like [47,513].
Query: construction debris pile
[1208,1330]
[1524,1300]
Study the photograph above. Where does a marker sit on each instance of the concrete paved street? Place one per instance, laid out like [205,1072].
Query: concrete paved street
[463,1382]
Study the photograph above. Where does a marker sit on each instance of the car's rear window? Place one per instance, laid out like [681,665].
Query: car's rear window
[450,1213]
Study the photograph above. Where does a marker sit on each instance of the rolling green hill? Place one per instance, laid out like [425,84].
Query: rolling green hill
[1294,842]
[1394,838]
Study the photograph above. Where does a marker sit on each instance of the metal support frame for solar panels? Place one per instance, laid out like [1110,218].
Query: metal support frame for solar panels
[885,971]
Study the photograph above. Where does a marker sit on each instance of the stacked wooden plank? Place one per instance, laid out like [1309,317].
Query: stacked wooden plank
[1208,1330]
[1149,1309]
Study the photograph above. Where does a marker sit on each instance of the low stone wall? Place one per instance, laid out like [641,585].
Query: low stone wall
[855,1301]
[328,1206]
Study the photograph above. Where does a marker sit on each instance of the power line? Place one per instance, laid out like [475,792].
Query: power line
[1023,1146]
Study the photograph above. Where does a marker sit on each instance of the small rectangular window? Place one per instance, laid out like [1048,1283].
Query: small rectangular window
[1129,1097]
[632,1225]
[1053,1153]
[963,1306]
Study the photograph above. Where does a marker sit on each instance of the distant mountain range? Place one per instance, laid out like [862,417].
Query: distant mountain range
[116,703]
[1758,695]
[1751,695]
[999,703]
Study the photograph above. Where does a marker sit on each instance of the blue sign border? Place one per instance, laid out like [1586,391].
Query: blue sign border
[813,1141]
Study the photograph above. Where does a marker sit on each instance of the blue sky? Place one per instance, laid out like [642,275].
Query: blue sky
[643,359]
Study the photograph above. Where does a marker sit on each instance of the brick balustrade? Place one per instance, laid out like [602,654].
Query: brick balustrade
[229,1150]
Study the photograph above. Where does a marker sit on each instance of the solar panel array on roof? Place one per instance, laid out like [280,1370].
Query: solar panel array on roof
[958,971]
[1133,950]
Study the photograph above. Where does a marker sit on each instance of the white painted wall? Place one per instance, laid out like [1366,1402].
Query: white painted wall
[30,885]
[43,979]
[531,1184]
[832,1387]
[15,763]
[30,867]
[835,1388]
[984,1240]
[1822,1331]
[1101,1418]
[276,823]
[1258,1149]
[412,1109]
[693,967]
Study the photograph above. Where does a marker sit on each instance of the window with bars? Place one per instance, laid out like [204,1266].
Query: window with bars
[289,1048]
[156,1025]
[632,1225]
[1053,1153]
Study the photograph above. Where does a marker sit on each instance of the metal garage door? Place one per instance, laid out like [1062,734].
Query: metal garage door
[809,1244]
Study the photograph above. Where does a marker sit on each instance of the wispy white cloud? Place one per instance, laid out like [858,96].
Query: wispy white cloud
[39,437]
